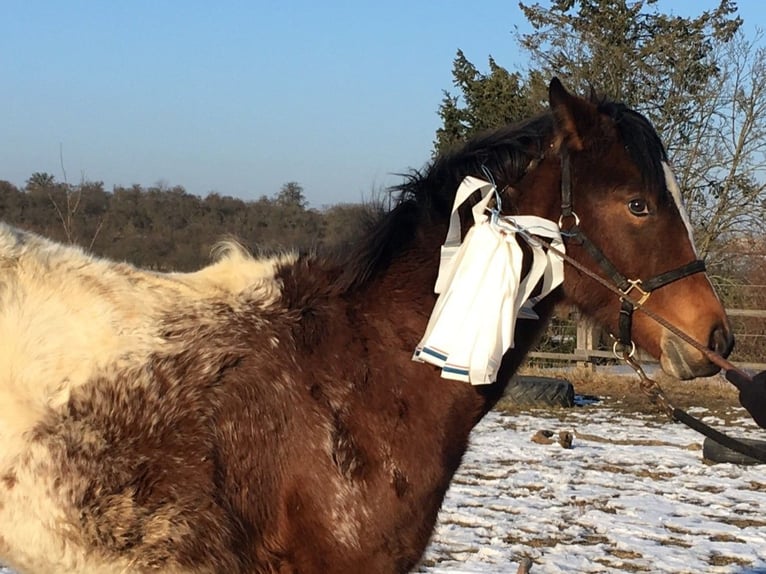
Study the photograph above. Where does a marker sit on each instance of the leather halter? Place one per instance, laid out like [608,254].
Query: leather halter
[643,288]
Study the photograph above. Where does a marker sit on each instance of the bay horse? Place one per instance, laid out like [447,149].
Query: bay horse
[265,415]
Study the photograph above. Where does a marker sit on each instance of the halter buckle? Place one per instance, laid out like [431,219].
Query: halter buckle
[635,284]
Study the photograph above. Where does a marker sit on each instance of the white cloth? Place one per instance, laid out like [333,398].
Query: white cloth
[482,293]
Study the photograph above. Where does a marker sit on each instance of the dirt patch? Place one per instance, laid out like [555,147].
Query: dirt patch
[639,472]
[675,542]
[726,538]
[723,560]
[741,522]
[630,441]
[622,566]
[541,542]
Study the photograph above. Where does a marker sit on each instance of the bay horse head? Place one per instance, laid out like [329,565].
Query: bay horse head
[622,209]
[601,170]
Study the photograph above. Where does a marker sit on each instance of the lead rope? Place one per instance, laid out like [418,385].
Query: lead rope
[649,386]
[652,389]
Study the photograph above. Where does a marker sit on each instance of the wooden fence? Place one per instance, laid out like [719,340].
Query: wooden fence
[573,339]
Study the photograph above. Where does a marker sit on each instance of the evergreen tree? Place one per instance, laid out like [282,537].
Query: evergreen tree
[486,101]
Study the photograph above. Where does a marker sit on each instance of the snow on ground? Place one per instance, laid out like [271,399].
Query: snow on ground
[638,499]
[635,496]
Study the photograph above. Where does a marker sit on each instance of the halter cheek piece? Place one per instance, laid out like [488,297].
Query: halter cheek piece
[637,289]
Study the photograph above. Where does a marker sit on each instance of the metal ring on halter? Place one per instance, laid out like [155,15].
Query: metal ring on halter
[574,215]
[619,350]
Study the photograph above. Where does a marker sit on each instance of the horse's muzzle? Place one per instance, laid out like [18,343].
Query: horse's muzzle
[683,361]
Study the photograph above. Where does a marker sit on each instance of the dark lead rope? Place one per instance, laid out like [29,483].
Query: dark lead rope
[731,443]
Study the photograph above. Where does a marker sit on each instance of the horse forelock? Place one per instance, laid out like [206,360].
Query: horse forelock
[643,145]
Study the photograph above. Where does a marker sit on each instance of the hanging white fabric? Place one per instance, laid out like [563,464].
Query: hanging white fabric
[481,290]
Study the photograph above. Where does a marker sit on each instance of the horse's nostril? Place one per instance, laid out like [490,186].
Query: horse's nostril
[721,341]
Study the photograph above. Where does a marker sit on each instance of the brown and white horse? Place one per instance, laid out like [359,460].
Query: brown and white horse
[265,415]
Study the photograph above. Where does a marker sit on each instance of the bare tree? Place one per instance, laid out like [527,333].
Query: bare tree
[721,165]
[67,210]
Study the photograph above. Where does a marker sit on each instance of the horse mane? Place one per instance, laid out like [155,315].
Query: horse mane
[426,195]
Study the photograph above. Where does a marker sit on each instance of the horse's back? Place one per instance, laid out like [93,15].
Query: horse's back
[66,316]
[227,420]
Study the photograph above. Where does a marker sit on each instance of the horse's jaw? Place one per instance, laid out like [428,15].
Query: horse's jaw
[680,360]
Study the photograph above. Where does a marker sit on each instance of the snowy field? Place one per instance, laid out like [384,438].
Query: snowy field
[633,495]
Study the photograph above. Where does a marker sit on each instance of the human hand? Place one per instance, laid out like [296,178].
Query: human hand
[752,394]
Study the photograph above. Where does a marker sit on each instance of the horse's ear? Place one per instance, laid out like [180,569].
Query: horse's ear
[568,111]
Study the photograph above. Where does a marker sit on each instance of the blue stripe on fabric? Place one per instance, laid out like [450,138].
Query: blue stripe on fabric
[435,354]
[455,370]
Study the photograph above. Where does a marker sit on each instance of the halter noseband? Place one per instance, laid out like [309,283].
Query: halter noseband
[626,286]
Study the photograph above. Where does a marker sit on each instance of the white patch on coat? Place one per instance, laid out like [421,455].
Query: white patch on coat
[347,515]
[34,523]
[675,192]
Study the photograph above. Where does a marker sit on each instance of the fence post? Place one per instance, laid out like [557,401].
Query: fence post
[585,335]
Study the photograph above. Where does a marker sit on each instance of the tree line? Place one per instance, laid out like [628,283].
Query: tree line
[167,228]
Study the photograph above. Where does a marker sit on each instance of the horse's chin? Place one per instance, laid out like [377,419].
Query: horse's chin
[684,362]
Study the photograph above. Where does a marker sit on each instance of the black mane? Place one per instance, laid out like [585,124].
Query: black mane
[505,153]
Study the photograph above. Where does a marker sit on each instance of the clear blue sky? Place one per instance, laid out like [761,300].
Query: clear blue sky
[242,97]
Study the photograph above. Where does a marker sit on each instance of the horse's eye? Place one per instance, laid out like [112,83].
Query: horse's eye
[638,207]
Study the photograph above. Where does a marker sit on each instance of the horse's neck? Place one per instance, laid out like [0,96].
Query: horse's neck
[404,293]
[404,298]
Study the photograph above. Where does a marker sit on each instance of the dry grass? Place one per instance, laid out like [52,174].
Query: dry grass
[622,392]
[622,565]
[743,522]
